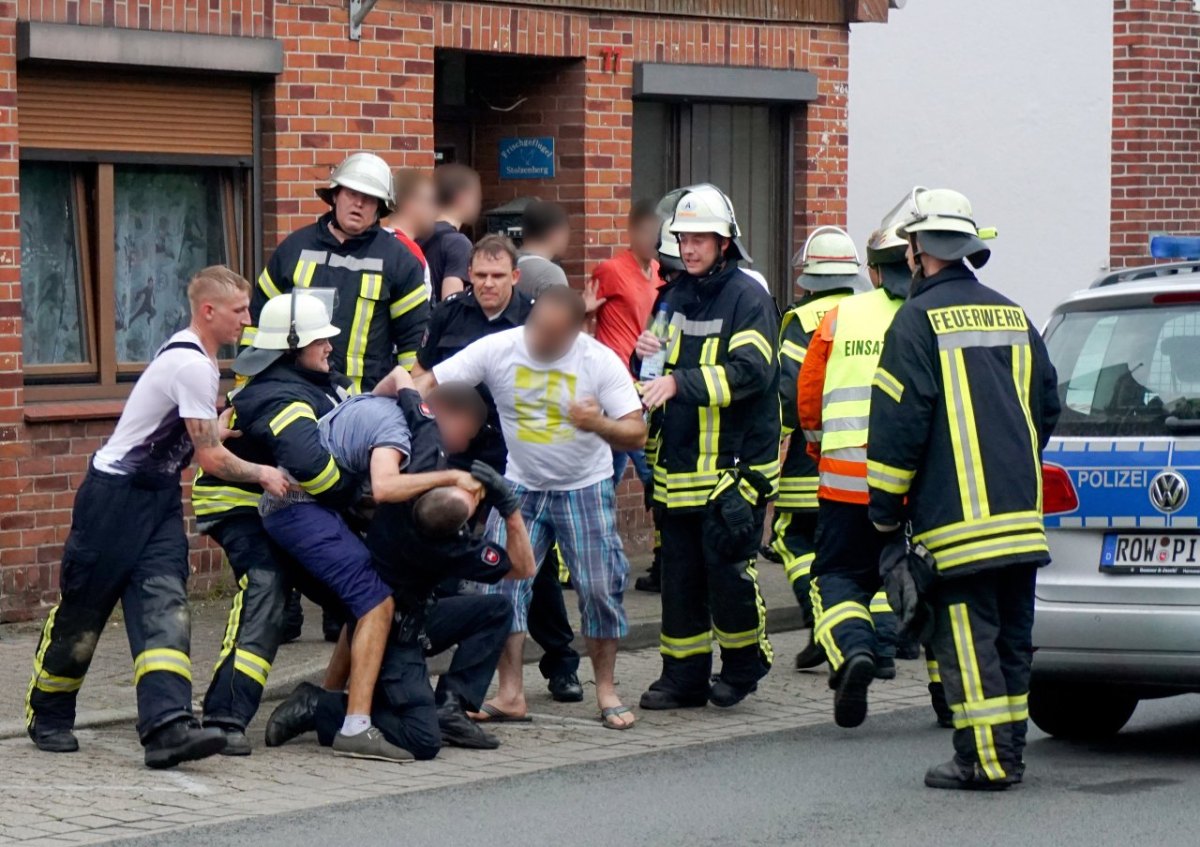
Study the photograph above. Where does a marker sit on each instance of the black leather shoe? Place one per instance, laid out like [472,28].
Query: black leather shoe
[650,583]
[850,695]
[726,694]
[460,731]
[236,742]
[657,699]
[959,777]
[885,667]
[182,741]
[937,698]
[53,740]
[294,716]
[812,656]
[565,688]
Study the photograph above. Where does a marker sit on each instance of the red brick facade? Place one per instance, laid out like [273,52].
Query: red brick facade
[335,96]
[1155,143]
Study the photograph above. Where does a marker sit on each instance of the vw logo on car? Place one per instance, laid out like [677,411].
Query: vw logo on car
[1168,492]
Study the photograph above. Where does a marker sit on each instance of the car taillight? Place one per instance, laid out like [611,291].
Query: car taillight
[1058,494]
[1173,297]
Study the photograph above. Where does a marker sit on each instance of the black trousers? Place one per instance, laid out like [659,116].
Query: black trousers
[255,625]
[983,644]
[405,705]
[126,543]
[549,626]
[705,595]
[851,614]
[794,540]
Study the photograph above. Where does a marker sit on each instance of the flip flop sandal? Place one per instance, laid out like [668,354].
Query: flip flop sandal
[490,714]
[615,712]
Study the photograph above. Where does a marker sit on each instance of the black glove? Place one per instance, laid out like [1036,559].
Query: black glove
[908,575]
[731,527]
[499,491]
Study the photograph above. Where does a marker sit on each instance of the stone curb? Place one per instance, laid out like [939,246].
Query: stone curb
[642,635]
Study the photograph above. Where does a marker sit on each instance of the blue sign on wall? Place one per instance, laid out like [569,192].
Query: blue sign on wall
[527,158]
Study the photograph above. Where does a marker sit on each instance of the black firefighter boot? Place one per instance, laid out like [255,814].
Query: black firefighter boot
[53,740]
[181,741]
[812,656]
[956,776]
[850,686]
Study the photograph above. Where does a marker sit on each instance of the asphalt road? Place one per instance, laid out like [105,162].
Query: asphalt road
[813,786]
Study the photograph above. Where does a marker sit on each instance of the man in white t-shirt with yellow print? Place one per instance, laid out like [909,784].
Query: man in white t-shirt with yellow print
[565,403]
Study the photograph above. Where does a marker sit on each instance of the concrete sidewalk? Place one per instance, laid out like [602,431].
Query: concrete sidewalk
[108,694]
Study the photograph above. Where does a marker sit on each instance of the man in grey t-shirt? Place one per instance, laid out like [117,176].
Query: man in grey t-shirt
[546,234]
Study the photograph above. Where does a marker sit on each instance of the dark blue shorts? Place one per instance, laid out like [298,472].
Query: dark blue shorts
[325,546]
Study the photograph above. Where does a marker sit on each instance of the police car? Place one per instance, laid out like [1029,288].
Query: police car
[1118,608]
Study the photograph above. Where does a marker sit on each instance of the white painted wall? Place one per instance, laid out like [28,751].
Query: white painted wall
[1008,101]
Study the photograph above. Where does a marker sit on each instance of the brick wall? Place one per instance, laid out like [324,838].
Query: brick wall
[377,94]
[1155,130]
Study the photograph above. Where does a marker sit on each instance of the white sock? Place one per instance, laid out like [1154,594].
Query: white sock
[354,724]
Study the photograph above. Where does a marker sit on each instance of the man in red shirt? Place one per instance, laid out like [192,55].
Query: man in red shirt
[415,215]
[622,289]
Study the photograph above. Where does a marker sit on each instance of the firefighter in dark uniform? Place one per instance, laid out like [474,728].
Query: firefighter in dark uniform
[963,403]
[417,546]
[127,539]
[382,303]
[854,627]
[228,513]
[716,462]
[493,304]
[829,272]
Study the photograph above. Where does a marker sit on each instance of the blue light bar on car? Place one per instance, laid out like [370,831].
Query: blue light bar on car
[1175,246]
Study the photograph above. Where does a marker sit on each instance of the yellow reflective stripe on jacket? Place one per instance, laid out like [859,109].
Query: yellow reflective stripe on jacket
[964,435]
[1009,523]
[407,359]
[880,605]
[710,416]
[793,351]
[889,478]
[754,338]
[305,270]
[249,333]
[210,499]
[991,548]
[267,285]
[797,493]
[888,384]
[799,567]
[162,659]
[407,303]
[323,481]
[1022,358]
[681,648]
[291,413]
[370,291]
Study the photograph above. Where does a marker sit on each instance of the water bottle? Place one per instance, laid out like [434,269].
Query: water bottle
[652,366]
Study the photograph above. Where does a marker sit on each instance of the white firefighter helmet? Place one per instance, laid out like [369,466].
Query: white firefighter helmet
[668,248]
[365,173]
[829,260]
[943,224]
[704,208]
[290,321]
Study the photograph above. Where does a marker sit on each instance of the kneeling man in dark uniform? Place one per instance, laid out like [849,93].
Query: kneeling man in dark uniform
[418,547]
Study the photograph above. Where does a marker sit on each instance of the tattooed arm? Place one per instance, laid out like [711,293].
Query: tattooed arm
[215,459]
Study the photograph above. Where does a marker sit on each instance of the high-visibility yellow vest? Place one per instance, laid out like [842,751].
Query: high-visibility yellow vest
[846,399]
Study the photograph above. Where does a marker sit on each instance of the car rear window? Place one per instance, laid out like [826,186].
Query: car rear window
[1129,371]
